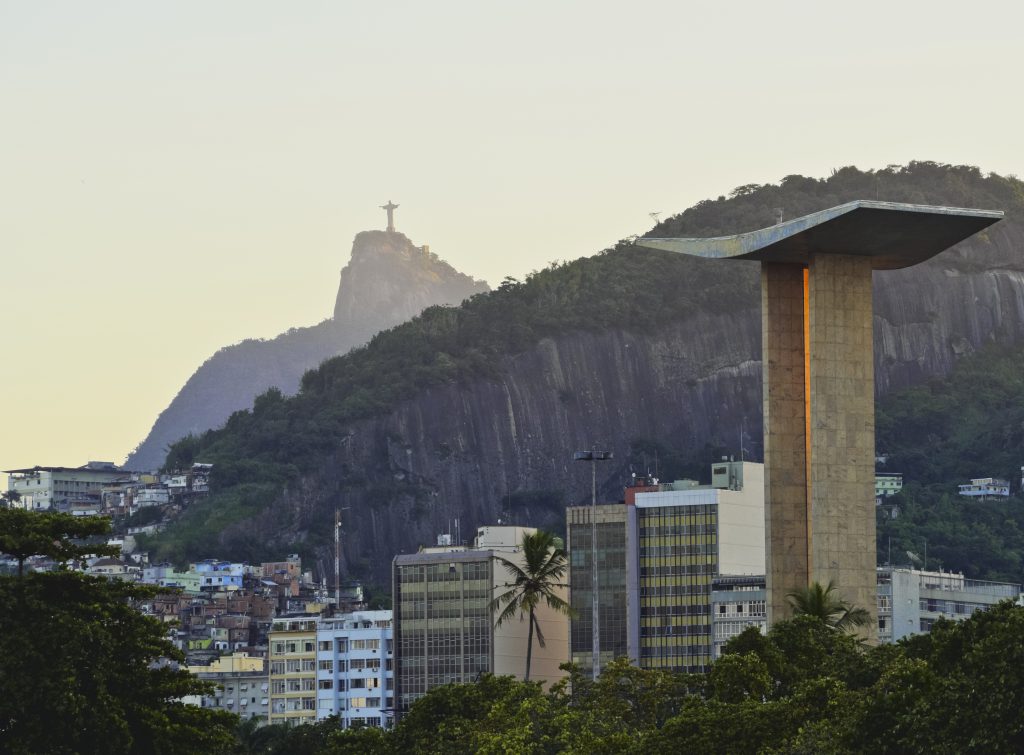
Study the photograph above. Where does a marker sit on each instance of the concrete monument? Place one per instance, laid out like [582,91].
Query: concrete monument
[819,388]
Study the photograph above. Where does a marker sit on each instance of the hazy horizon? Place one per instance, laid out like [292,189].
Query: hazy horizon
[170,169]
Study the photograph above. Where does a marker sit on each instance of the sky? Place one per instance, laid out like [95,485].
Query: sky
[179,176]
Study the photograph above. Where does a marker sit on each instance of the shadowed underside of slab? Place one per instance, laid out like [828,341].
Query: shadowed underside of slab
[894,235]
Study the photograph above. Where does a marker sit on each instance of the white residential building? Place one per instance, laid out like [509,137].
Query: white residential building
[63,488]
[355,668]
[910,601]
[985,488]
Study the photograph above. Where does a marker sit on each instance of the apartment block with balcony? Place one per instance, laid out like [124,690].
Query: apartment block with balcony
[292,649]
[355,668]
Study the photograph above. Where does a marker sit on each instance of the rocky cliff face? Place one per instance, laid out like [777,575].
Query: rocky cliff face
[502,449]
[387,281]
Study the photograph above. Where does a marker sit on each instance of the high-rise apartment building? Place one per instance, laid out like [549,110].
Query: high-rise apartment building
[292,641]
[355,668]
[444,623]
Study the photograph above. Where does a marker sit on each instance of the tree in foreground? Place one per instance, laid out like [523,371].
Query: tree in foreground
[30,533]
[83,671]
[824,604]
[536,582]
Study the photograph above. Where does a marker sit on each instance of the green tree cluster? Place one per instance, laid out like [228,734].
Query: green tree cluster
[803,688]
[83,671]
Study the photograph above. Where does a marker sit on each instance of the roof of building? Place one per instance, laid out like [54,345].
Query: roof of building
[893,234]
[86,468]
[408,559]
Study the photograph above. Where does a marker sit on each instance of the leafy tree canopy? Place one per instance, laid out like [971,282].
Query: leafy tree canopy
[802,688]
[81,670]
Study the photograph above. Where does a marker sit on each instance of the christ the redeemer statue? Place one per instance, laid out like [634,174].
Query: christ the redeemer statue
[390,207]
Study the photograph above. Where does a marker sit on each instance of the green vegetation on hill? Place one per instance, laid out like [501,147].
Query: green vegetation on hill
[257,452]
[943,433]
[260,451]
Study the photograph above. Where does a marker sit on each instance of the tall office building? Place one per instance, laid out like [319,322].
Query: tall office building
[611,576]
[676,541]
[444,624]
[685,536]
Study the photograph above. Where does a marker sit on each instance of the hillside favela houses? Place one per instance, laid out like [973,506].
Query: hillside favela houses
[101,488]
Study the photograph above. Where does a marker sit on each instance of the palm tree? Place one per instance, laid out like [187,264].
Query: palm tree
[822,604]
[533,580]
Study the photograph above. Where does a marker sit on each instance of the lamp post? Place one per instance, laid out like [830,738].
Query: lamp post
[595,643]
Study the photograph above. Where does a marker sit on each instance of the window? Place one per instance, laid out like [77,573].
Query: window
[358,702]
[308,646]
[326,666]
[326,684]
[309,664]
[326,645]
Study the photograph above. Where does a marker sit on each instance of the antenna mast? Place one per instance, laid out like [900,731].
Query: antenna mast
[337,558]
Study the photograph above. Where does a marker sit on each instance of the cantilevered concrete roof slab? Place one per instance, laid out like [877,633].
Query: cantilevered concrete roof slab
[894,235]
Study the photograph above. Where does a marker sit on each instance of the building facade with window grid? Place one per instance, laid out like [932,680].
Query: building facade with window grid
[611,576]
[444,624]
[292,656]
[737,603]
[681,538]
[355,668]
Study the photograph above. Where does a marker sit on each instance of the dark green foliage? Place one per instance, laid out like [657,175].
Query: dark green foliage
[77,671]
[968,424]
[803,688]
[62,537]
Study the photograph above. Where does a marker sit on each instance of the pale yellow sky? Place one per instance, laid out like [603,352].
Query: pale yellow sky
[178,176]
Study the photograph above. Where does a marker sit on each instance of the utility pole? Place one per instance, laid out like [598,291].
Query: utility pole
[595,639]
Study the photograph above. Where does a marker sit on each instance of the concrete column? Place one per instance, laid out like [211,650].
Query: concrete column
[783,307]
[841,531]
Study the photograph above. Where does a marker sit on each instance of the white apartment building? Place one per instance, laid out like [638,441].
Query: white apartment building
[910,601]
[985,488]
[355,668]
[44,488]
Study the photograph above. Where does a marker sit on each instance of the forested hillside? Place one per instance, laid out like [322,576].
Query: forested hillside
[945,432]
[474,411]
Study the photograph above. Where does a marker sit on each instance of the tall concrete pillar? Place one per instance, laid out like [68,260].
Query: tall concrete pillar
[783,310]
[819,402]
[841,520]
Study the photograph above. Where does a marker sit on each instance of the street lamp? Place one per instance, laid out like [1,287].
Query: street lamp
[595,643]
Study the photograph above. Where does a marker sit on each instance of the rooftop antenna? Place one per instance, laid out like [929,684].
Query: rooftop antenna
[655,215]
[778,216]
[337,554]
